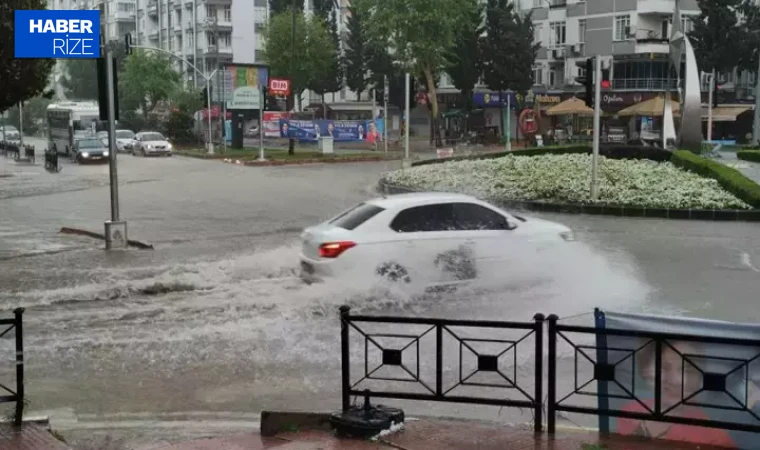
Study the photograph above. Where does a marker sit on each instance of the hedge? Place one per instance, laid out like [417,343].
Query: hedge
[749,155]
[608,151]
[730,179]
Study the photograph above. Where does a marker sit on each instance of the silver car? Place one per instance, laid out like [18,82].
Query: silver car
[151,143]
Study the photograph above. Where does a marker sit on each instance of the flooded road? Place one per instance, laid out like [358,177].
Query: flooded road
[213,325]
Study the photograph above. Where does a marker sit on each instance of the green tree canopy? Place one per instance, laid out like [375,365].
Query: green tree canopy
[508,48]
[720,39]
[314,51]
[35,110]
[147,79]
[356,54]
[20,79]
[465,61]
[328,64]
[420,34]
[80,82]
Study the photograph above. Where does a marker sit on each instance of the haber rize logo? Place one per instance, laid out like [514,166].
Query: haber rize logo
[60,34]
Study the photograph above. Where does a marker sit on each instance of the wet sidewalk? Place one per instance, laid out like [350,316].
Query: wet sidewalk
[430,435]
[29,436]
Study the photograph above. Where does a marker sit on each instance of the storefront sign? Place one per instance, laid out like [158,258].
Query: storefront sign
[494,99]
[554,99]
[615,101]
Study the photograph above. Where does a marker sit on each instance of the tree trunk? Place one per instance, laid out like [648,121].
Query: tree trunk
[324,107]
[433,98]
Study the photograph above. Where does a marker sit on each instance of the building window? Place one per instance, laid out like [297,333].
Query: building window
[126,7]
[538,75]
[622,27]
[210,12]
[258,27]
[228,13]
[557,36]
[258,56]
[210,39]
[537,29]
[582,31]
[225,39]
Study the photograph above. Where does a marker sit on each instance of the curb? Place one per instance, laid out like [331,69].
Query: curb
[724,215]
[275,422]
[92,234]
[298,162]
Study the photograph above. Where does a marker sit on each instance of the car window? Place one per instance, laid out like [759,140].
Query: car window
[152,137]
[90,143]
[124,134]
[470,216]
[356,216]
[438,217]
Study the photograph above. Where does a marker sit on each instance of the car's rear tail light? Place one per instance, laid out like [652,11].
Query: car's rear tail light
[334,249]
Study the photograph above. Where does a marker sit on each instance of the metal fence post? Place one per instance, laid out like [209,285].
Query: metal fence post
[551,413]
[19,312]
[439,360]
[539,391]
[344,357]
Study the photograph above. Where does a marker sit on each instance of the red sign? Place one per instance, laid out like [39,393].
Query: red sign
[279,86]
[528,122]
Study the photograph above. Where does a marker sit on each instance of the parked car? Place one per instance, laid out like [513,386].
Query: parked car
[435,238]
[125,140]
[151,143]
[89,150]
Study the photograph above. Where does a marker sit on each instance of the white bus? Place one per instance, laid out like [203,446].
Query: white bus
[67,121]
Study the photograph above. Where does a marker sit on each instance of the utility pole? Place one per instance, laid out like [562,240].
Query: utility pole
[597,126]
[291,141]
[115,229]
[386,92]
[710,107]
[21,122]
[756,123]
[407,88]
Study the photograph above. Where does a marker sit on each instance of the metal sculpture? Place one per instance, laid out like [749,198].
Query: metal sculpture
[689,95]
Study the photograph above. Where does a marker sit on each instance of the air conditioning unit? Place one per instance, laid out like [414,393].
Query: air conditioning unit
[576,49]
[557,53]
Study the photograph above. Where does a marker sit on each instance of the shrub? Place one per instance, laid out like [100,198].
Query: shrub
[611,151]
[730,179]
[749,155]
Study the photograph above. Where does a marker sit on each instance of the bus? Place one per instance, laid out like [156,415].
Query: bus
[68,121]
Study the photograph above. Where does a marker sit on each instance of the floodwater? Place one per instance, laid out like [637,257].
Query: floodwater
[213,326]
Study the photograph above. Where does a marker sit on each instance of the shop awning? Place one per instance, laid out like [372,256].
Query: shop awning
[452,113]
[725,113]
[569,107]
[650,108]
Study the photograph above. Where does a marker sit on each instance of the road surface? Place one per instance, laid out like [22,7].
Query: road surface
[213,326]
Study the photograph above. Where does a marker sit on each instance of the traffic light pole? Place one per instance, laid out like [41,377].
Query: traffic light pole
[597,126]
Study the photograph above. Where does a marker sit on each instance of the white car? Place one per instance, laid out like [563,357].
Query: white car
[150,143]
[125,140]
[434,238]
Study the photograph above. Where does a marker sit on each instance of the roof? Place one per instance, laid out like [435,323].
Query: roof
[419,199]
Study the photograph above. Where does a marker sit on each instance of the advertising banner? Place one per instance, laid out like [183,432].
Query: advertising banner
[272,123]
[699,380]
[340,130]
[242,83]
[60,34]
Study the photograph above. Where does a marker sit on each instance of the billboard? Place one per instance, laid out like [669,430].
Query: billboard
[340,130]
[699,380]
[272,123]
[242,83]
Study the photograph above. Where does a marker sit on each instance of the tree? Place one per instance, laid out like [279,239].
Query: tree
[327,73]
[420,34]
[20,79]
[465,61]
[356,57]
[508,48]
[323,8]
[34,115]
[81,79]
[148,78]
[718,28]
[281,6]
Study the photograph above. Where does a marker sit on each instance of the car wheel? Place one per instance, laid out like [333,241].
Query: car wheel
[458,264]
[393,272]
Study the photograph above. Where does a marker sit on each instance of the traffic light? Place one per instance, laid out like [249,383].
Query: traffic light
[587,80]
[606,83]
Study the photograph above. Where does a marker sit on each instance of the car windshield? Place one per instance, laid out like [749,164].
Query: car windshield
[124,134]
[8,128]
[153,137]
[90,143]
[356,216]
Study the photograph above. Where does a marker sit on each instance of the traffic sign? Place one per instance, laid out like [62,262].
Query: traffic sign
[279,86]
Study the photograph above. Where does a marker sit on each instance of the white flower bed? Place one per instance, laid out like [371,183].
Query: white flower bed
[566,178]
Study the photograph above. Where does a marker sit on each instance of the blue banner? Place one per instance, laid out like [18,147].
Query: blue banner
[60,34]
[340,130]
[494,99]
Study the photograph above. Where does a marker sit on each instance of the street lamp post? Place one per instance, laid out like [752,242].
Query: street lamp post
[756,124]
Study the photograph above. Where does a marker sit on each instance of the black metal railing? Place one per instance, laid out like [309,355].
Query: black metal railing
[668,399]
[529,398]
[7,325]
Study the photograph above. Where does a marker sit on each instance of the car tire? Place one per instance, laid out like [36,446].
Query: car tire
[393,272]
[458,264]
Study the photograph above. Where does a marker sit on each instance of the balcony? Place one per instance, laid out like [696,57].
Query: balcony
[221,25]
[122,16]
[152,8]
[643,84]
[225,51]
[177,28]
[659,7]
[177,4]
[153,35]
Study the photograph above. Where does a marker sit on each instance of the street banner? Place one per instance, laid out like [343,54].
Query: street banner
[699,380]
[242,83]
[59,34]
[340,130]
[272,123]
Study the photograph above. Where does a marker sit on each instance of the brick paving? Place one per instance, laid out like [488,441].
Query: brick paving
[432,435]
